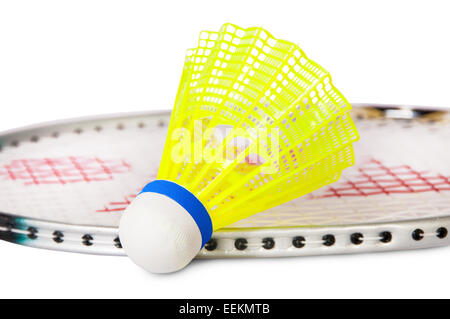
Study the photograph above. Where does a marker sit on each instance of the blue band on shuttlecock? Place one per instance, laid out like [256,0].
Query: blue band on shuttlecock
[187,200]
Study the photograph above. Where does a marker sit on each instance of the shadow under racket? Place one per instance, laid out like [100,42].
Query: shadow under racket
[64,186]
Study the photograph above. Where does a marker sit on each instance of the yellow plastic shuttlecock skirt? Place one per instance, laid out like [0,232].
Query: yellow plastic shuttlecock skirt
[255,124]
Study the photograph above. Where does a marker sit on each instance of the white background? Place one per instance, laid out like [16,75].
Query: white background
[60,59]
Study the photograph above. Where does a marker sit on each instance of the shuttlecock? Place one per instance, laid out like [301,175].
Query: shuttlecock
[255,124]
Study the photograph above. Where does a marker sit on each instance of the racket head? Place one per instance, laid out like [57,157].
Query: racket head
[64,186]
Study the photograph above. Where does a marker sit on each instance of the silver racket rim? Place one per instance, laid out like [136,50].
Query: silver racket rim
[236,242]
[245,242]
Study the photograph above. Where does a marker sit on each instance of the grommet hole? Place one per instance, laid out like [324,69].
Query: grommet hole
[32,233]
[298,242]
[356,238]
[329,240]
[441,232]
[117,242]
[87,240]
[268,243]
[58,237]
[417,234]
[211,244]
[386,237]
[241,243]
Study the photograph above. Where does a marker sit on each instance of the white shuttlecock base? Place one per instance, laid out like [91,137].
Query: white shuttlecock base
[158,234]
[165,227]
